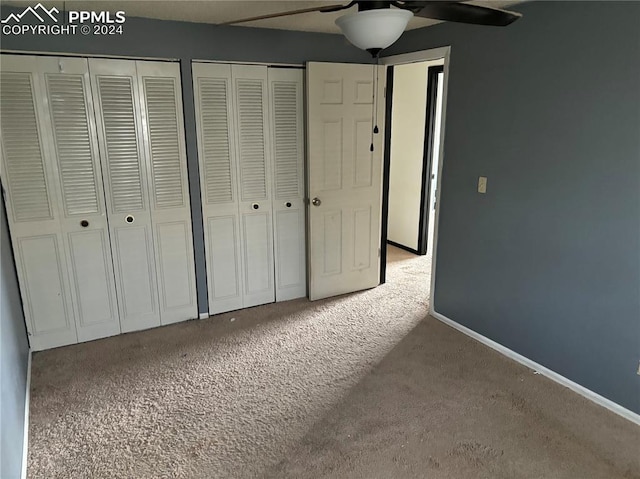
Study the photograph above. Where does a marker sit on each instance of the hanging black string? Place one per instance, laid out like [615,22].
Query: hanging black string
[374,113]
[375,106]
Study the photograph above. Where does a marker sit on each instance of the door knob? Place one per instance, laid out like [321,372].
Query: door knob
[255,206]
[129,218]
[84,223]
[316,202]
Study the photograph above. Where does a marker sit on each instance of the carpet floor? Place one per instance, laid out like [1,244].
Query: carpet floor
[365,385]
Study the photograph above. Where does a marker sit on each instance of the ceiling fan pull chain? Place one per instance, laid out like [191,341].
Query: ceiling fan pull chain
[373,102]
[375,94]
[374,113]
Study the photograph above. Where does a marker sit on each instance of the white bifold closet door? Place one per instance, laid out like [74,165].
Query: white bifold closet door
[163,125]
[94,261]
[254,182]
[231,109]
[218,185]
[56,210]
[139,117]
[236,153]
[116,93]
[71,121]
[285,100]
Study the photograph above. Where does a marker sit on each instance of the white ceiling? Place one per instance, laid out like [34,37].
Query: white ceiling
[220,11]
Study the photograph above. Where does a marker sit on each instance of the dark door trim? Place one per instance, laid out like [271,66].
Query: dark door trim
[427,162]
[386,168]
[401,246]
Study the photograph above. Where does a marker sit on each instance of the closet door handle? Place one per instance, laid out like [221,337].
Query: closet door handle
[288,204]
[84,223]
[129,218]
[255,206]
[316,202]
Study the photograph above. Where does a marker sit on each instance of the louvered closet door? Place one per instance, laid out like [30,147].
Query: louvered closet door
[218,178]
[254,180]
[159,84]
[32,207]
[73,145]
[285,97]
[115,91]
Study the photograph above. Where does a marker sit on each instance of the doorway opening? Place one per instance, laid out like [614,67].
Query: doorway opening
[414,113]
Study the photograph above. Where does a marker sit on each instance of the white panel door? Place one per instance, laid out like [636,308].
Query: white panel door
[287,144]
[218,180]
[254,182]
[344,179]
[162,119]
[32,207]
[73,147]
[115,90]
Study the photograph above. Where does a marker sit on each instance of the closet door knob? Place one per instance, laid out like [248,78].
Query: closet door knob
[316,202]
[84,223]
[255,206]
[129,218]
[288,204]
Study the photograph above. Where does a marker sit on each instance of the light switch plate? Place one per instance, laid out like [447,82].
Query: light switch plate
[482,184]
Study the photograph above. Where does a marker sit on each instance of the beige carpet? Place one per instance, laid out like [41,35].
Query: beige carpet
[361,386]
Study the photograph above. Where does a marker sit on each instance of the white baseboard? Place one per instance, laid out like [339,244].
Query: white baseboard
[25,433]
[204,316]
[575,387]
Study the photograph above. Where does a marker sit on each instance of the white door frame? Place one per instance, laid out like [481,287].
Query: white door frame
[413,57]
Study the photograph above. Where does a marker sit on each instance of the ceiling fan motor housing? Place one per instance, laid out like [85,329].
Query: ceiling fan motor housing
[375,28]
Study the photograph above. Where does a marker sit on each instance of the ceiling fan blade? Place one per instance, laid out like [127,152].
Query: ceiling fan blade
[324,8]
[337,8]
[463,13]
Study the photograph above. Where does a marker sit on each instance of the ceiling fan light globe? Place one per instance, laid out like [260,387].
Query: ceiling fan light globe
[370,29]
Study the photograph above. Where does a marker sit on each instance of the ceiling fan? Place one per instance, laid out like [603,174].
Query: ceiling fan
[379,23]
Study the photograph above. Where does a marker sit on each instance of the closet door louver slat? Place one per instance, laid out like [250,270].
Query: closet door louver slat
[120,137]
[286,125]
[251,140]
[162,116]
[22,149]
[214,123]
[73,143]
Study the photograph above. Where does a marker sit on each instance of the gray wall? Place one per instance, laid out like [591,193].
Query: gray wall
[186,42]
[546,263]
[14,355]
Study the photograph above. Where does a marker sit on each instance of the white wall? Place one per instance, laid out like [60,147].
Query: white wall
[407,149]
